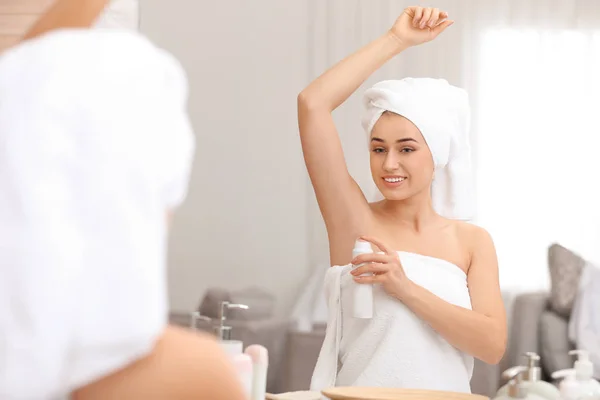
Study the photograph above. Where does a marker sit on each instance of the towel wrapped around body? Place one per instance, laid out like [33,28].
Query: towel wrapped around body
[395,348]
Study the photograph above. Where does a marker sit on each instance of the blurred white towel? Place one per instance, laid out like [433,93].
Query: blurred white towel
[95,148]
[121,14]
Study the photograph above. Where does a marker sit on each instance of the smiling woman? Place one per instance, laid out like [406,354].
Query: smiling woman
[401,163]
[437,295]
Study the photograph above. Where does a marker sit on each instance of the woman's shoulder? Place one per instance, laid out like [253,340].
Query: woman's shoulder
[471,234]
[474,239]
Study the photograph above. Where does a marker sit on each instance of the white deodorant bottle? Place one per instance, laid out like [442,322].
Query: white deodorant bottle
[363,293]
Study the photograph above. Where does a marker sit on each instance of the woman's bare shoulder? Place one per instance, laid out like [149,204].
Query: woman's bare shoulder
[470,232]
[474,238]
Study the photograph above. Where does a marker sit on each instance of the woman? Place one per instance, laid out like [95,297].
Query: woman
[435,279]
[96,149]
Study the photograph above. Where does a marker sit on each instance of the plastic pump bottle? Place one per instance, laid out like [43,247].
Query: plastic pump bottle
[243,363]
[579,382]
[532,379]
[516,388]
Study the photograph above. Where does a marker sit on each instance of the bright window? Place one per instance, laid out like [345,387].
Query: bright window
[538,141]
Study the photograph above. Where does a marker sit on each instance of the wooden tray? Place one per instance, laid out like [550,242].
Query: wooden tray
[359,393]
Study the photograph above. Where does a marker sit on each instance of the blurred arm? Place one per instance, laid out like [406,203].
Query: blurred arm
[68,14]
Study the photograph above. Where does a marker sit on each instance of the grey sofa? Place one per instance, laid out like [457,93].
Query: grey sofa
[536,327]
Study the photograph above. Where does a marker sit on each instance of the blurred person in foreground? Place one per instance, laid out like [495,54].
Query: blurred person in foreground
[95,153]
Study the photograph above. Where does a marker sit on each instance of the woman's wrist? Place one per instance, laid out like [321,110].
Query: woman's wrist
[396,43]
[407,291]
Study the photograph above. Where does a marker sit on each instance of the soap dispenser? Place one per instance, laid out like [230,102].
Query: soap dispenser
[223,332]
[532,379]
[579,382]
[517,388]
[235,348]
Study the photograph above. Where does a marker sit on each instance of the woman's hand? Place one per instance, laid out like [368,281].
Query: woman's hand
[386,269]
[419,25]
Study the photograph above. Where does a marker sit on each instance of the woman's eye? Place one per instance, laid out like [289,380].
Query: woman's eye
[407,150]
[378,150]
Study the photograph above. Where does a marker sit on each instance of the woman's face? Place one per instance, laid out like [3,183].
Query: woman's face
[401,162]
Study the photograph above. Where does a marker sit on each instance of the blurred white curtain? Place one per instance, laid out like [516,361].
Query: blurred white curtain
[531,68]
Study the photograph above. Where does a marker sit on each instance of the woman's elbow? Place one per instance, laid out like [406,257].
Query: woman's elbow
[495,352]
[309,102]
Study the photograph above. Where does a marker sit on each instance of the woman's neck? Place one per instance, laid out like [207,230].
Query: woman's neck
[415,212]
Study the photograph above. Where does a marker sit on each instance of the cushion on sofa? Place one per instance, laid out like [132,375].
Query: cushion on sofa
[554,342]
[565,271]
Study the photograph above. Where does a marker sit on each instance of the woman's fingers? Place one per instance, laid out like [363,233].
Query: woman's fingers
[434,19]
[371,268]
[426,16]
[371,258]
[379,245]
[418,16]
[441,27]
[366,280]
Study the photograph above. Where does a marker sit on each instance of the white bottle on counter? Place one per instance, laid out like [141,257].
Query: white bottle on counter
[516,387]
[260,366]
[244,368]
[579,382]
[234,348]
[363,294]
[531,379]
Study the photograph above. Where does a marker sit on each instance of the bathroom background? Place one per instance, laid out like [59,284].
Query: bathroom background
[533,73]
[532,68]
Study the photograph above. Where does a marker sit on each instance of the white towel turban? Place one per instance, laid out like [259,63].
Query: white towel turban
[441,112]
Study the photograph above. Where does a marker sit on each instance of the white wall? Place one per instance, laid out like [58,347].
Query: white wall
[245,221]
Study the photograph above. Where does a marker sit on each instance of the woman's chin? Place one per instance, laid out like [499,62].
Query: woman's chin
[393,195]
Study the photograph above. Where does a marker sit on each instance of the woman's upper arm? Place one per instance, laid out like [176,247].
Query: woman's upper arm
[340,199]
[67,14]
[183,365]
[483,279]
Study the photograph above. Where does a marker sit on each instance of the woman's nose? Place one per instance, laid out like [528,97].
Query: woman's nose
[391,162]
